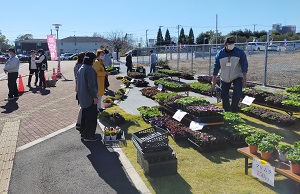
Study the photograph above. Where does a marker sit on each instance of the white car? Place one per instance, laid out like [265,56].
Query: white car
[254,46]
[65,56]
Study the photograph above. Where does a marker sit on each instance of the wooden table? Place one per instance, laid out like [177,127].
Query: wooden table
[280,167]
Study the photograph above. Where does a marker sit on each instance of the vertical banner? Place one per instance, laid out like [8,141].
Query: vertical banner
[51,40]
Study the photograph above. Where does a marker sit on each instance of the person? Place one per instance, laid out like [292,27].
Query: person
[42,65]
[87,90]
[98,65]
[32,68]
[107,62]
[232,62]
[129,62]
[76,68]
[153,60]
[12,69]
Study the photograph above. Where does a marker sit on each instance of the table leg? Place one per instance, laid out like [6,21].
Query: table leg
[246,165]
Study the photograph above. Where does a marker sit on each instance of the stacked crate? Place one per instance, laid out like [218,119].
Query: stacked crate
[154,154]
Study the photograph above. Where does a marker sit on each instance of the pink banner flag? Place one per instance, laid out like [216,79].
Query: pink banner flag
[51,40]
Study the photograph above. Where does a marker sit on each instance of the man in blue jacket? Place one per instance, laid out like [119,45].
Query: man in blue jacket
[232,62]
[12,69]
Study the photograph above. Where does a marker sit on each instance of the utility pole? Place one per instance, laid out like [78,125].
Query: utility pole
[51,31]
[146,39]
[178,56]
[254,27]
[216,30]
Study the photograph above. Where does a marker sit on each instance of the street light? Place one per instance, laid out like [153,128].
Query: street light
[147,38]
[58,55]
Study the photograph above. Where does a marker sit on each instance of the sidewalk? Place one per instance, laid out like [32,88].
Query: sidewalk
[36,114]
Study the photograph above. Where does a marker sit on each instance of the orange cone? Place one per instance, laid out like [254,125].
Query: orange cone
[54,75]
[58,71]
[21,85]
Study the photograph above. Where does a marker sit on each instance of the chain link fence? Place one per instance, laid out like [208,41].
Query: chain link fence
[274,64]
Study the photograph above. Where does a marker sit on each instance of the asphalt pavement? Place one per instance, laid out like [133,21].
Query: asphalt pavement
[65,164]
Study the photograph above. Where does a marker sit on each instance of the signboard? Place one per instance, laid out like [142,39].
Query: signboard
[248,100]
[51,40]
[263,171]
[194,126]
[160,87]
[179,115]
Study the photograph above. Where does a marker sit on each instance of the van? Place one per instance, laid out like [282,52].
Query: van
[255,46]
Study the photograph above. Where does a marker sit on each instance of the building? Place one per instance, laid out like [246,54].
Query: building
[76,44]
[283,29]
[25,46]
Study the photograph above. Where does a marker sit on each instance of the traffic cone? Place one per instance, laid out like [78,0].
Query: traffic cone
[21,85]
[58,75]
[54,75]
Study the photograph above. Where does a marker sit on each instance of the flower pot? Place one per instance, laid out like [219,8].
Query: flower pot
[266,156]
[282,156]
[295,168]
[107,137]
[106,104]
[253,149]
[113,137]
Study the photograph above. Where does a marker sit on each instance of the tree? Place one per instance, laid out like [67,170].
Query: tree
[204,37]
[181,37]
[191,38]
[3,43]
[159,38]
[167,38]
[24,37]
[118,40]
[96,34]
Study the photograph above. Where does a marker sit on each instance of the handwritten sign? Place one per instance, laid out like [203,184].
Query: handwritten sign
[194,126]
[263,171]
[179,115]
[160,87]
[248,100]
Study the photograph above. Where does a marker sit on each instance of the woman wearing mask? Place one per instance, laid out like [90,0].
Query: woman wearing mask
[101,73]
[41,63]
[32,68]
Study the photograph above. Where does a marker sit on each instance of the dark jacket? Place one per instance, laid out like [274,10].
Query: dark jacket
[128,60]
[41,62]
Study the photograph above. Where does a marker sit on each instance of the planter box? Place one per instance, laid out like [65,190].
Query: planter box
[210,119]
[214,146]
[155,156]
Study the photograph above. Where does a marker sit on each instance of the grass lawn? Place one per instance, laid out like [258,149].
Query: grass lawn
[214,172]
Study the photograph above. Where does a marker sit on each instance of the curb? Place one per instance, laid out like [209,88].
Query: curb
[129,169]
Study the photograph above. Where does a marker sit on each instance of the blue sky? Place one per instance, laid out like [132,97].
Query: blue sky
[83,18]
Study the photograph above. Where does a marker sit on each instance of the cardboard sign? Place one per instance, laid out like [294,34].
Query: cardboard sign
[248,100]
[179,115]
[263,171]
[194,126]
[160,87]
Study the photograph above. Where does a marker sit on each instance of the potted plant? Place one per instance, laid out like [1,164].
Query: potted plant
[283,150]
[253,140]
[266,148]
[113,133]
[273,138]
[118,94]
[294,157]
[106,134]
[107,102]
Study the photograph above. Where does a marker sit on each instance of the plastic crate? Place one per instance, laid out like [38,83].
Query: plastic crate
[152,139]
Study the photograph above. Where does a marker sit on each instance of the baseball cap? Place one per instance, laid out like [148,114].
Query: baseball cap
[230,40]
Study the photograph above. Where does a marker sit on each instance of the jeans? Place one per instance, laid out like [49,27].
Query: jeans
[152,68]
[31,72]
[42,78]
[89,121]
[12,84]
[237,94]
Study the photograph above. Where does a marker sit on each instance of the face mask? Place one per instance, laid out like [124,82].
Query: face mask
[230,46]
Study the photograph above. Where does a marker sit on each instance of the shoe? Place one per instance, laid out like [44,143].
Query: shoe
[9,99]
[28,85]
[91,139]
[78,127]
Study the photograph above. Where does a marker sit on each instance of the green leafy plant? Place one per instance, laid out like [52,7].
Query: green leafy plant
[255,138]
[273,138]
[266,146]
[160,97]
[232,118]
[192,100]
[284,148]
[294,156]
[297,144]
[149,112]
[295,89]
[169,72]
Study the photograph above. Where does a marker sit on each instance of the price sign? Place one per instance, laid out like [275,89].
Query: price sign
[179,115]
[160,87]
[248,100]
[263,171]
[194,126]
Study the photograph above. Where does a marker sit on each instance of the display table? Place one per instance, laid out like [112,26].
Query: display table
[280,167]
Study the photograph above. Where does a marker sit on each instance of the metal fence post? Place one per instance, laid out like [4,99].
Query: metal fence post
[209,60]
[266,59]
[192,49]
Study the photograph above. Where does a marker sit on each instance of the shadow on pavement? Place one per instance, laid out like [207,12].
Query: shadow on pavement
[109,168]
[10,106]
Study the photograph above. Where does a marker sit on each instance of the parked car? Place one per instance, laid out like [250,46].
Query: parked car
[272,48]
[65,56]
[215,49]
[73,57]
[3,59]
[23,58]
[254,46]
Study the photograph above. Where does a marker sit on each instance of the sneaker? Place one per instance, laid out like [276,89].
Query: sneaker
[91,139]
[9,99]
